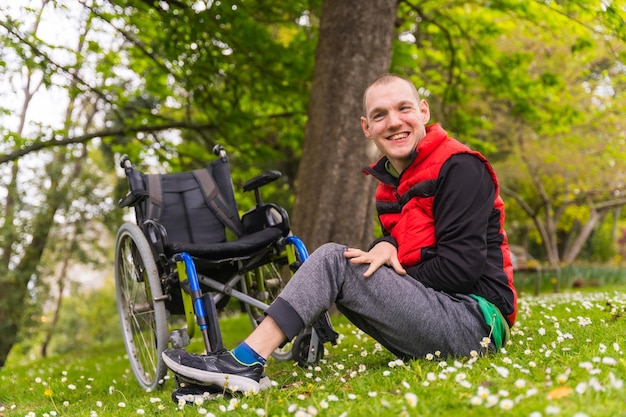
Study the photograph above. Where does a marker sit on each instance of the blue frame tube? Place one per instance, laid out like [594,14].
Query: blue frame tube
[194,286]
[298,244]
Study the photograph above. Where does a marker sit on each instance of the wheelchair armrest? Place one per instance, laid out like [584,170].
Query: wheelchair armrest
[266,215]
[261,180]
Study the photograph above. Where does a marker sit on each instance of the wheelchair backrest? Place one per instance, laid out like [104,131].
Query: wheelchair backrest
[179,203]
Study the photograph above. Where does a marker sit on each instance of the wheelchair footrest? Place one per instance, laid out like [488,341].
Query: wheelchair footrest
[324,329]
[214,332]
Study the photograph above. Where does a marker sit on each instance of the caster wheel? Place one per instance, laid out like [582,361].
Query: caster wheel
[302,352]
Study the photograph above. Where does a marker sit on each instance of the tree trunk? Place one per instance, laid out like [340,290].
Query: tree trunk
[59,301]
[334,200]
[15,283]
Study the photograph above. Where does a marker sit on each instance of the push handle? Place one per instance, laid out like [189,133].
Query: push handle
[125,162]
[219,150]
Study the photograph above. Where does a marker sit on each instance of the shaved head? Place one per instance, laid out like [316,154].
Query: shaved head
[386,79]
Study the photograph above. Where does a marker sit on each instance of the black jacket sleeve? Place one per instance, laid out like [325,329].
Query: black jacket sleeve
[386,238]
[464,199]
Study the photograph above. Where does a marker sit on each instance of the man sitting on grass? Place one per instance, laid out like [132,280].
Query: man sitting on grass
[440,279]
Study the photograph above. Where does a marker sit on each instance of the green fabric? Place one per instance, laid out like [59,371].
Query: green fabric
[390,169]
[495,320]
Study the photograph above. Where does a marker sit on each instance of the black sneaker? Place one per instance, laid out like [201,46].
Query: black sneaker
[193,394]
[219,368]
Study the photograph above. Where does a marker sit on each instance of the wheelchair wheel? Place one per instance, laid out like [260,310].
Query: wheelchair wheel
[265,283]
[143,320]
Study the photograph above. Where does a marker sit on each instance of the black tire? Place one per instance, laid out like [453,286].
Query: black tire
[143,320]
[301,350]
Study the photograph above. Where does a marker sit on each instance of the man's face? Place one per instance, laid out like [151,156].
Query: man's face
[395,120]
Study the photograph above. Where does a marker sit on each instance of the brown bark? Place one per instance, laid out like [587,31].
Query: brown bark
[334,200]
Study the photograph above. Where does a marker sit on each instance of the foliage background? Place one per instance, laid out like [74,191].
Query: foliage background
[535,86]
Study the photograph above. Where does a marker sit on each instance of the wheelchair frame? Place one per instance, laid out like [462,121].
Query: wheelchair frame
[148,281]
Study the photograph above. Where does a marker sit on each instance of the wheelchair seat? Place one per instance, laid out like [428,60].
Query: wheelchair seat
[190,212]
[243,247]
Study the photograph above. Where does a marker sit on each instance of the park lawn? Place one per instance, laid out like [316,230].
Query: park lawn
[566,357]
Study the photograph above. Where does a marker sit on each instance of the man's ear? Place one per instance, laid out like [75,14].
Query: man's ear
[366,128]
[425,112]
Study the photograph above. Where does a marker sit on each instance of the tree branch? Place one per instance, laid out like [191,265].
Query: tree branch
[449,38]
[125,130]
[133,41]
[57,67]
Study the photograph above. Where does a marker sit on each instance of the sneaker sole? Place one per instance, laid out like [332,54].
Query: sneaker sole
[227,381]
[264,383]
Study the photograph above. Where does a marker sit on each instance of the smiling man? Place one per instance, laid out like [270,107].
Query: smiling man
[440,278]
[395,119]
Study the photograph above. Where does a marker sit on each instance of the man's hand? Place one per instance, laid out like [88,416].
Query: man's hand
[384,253]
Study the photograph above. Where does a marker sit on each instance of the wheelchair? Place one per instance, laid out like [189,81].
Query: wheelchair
[189,254]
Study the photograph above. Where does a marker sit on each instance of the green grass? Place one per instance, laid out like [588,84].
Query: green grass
[566,358]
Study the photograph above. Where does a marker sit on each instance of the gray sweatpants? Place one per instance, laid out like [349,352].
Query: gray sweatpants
[404,316]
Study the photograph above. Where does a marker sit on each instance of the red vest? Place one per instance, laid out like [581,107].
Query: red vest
[414,226]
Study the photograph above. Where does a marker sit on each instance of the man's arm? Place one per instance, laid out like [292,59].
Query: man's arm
[462,205]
